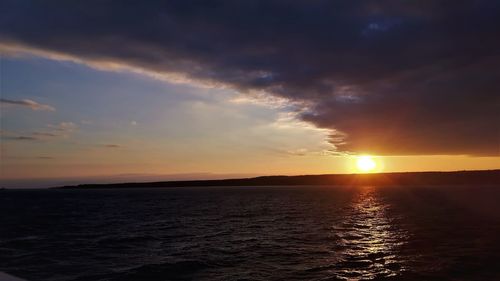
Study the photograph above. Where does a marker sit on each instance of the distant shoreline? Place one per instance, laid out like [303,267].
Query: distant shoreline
[483,177]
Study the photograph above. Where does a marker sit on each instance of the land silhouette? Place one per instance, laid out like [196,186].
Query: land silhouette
[484,177]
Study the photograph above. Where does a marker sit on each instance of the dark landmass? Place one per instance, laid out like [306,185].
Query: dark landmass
[488,177]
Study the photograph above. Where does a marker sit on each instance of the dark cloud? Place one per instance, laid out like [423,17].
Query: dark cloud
[388,77]
[111,145]
[20,138]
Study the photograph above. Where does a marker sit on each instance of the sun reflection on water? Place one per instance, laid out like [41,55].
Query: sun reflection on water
[367,240]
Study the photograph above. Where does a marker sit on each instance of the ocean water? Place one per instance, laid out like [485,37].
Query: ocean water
[252,233]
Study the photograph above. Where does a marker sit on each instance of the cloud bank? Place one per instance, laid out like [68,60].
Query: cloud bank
[386,77]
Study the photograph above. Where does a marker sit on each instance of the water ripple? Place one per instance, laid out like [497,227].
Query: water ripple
[278,233]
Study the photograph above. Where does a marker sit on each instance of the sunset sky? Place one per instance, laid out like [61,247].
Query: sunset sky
[240,88]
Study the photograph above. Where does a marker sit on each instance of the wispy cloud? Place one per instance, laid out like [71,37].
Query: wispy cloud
[8,135]
[41,157]
[63,127]
[22,138]
[61,130]
[27,103]
[297,152]
[111,145]
[45,134]
[45,157]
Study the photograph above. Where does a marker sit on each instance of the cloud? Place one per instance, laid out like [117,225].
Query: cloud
[386,77]
[22,138]
[45,134]
[61,130]
[111,145]
[45,157]
[63,127]
[27,103]
[28,158]
[8,135]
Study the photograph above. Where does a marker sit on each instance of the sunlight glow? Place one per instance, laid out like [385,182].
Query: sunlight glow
[365,163]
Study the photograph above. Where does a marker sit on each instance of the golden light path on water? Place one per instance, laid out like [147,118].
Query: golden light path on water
[368,240]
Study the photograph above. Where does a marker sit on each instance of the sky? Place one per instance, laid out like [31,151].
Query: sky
[211,89]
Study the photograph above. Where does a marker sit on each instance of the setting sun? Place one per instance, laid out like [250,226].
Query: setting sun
[364,136]
[366,163]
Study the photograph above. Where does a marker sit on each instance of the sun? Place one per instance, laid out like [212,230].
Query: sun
[366,164]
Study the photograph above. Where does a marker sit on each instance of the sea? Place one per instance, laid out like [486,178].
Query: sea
[252,233]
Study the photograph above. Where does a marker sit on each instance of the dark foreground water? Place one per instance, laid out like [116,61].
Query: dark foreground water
[252,233]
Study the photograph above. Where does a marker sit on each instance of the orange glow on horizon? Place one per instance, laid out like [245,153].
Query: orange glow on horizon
[367,164]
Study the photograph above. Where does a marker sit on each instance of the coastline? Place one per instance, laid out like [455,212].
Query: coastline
[481,177]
